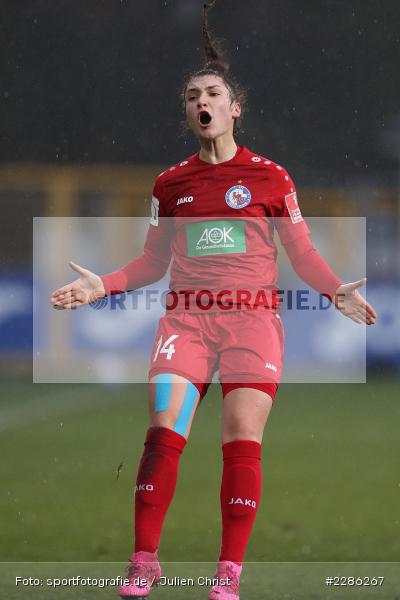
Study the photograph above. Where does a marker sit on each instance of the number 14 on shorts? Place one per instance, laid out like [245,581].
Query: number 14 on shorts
[167,347]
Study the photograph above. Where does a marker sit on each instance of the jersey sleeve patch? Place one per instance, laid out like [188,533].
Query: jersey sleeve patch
[155,207]
[293,208]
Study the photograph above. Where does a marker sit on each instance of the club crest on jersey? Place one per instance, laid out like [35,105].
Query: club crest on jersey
[238,196]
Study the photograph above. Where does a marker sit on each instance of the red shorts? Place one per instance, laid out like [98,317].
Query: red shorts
[245,346]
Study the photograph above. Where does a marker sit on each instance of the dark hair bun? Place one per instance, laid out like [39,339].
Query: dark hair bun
[214,55]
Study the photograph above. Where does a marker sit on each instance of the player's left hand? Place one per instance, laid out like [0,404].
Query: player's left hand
[351,304]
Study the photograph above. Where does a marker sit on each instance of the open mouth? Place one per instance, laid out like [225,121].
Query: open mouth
[204,118]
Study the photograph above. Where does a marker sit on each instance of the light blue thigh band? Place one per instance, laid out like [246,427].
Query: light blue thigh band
[185,413]
[163,395]
[163,391]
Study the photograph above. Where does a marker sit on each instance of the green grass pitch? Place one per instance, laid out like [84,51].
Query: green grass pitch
[330,461]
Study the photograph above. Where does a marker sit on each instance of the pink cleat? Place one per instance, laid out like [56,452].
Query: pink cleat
[144,571]
[227,580]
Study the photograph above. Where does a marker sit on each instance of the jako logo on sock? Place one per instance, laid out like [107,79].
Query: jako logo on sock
[245,502]
[144,487]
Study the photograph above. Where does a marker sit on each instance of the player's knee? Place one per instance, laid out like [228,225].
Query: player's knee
[179,424]
[166,420]
[237,430]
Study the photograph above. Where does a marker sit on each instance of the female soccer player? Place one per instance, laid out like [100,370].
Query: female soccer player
[214,213]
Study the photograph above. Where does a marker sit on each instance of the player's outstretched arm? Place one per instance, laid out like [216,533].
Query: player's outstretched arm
[351,304]
[87,288]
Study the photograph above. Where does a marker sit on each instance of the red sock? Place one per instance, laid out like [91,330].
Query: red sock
[155,485]
[240,496]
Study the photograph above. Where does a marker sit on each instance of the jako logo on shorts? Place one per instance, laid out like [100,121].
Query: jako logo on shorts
[238,196]
[269,365]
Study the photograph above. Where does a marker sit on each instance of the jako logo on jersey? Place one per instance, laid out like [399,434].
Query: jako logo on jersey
[271,366]
[184,200]
[144,487]
[238,196]
[245,502]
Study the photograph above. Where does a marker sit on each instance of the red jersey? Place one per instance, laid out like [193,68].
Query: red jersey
[217,221]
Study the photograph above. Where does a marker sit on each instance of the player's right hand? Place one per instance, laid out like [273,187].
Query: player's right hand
[87,288]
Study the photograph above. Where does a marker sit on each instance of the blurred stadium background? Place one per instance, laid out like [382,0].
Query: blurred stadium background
[90,114]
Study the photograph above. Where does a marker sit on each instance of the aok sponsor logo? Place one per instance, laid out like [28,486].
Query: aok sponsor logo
[216,236]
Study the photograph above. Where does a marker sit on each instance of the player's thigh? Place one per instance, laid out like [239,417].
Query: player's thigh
[245,413]
[252,354]
[173,402]
[180,359]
